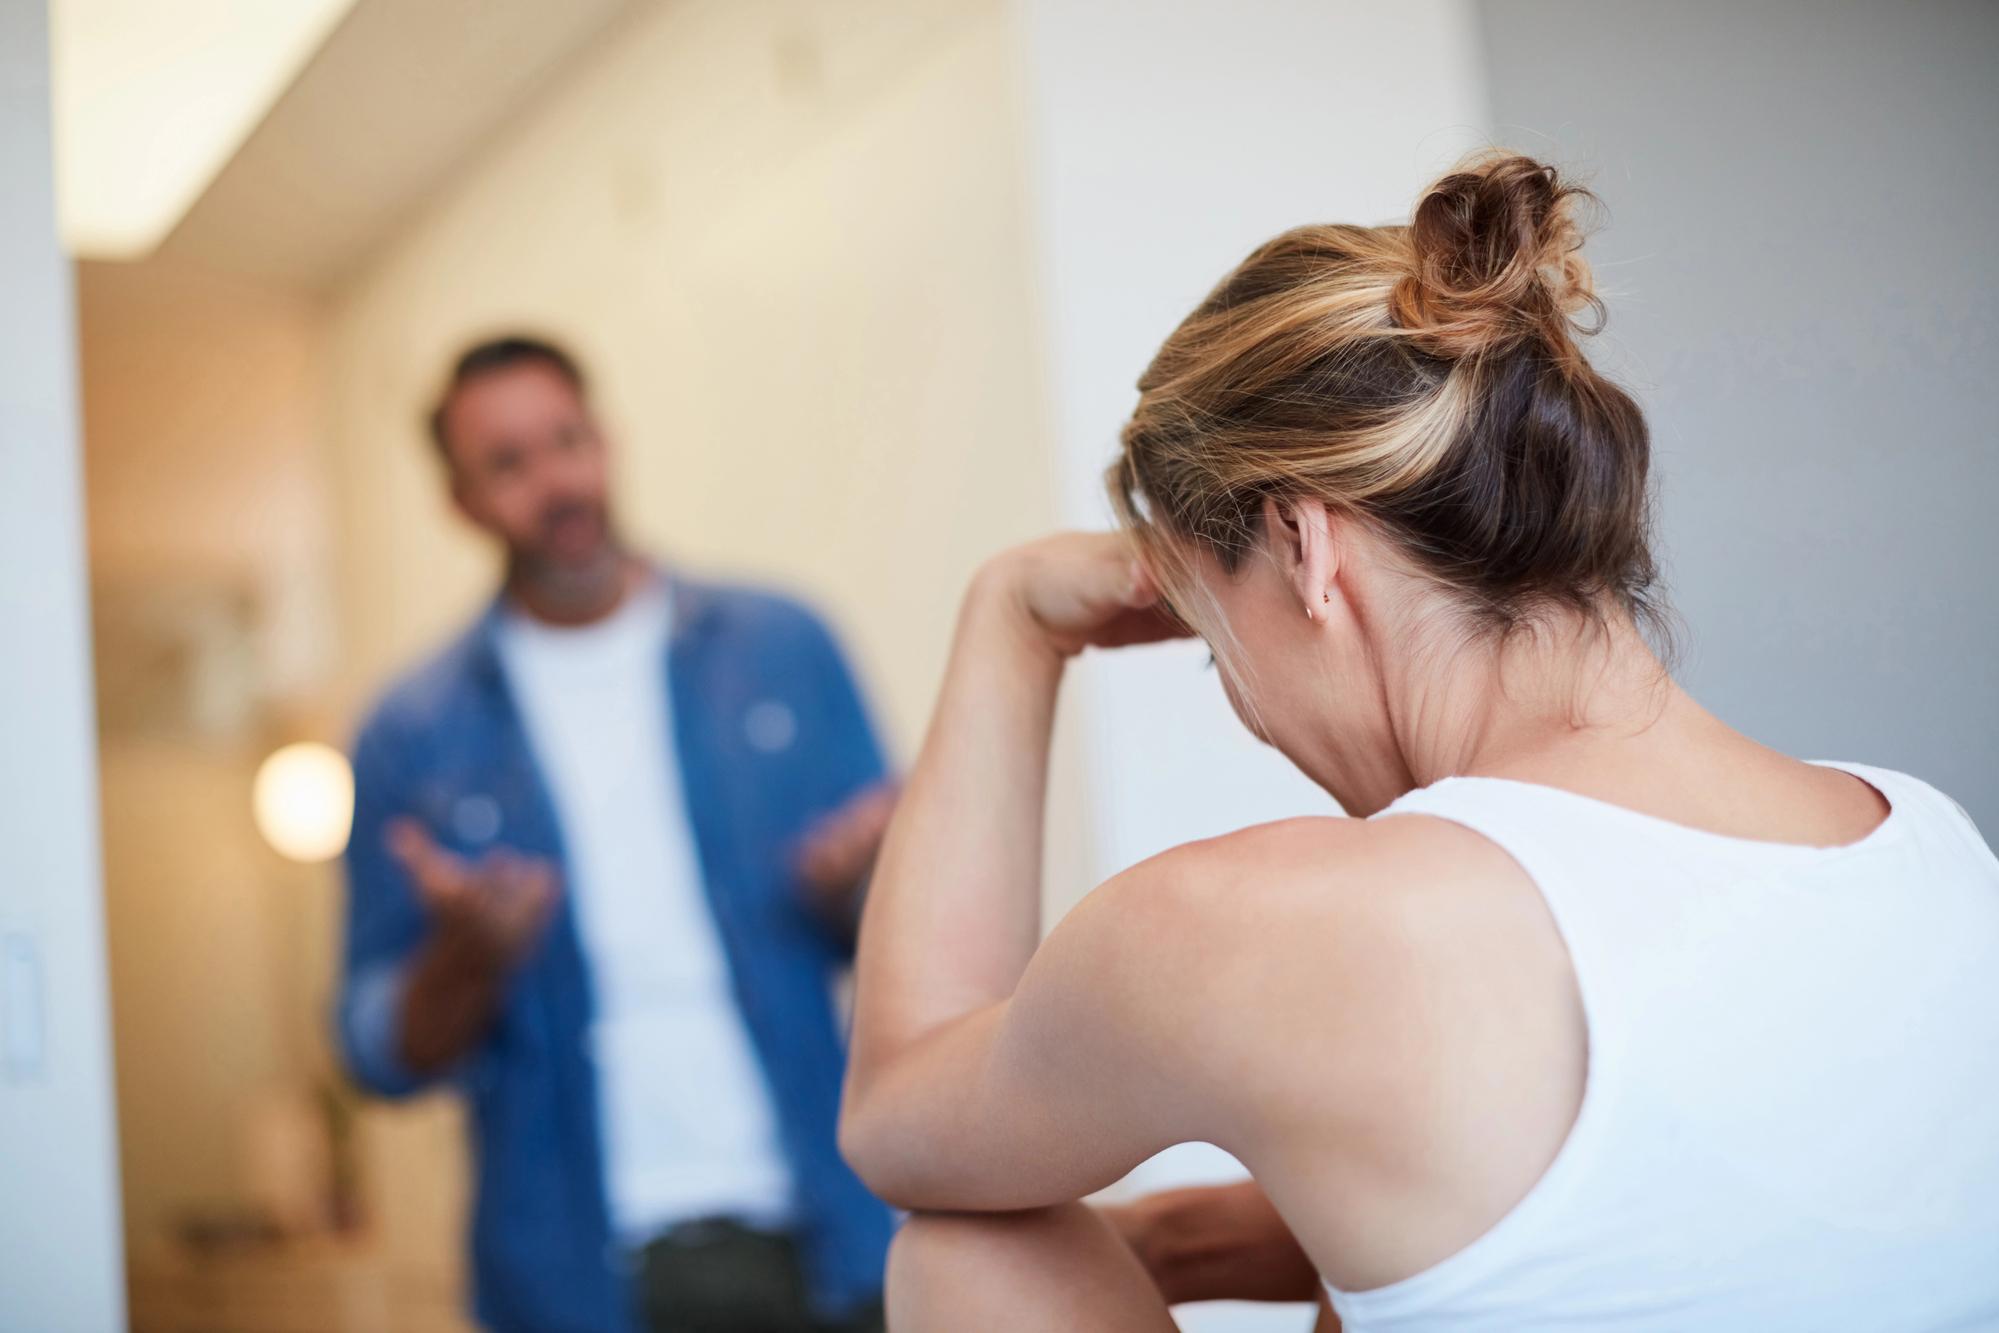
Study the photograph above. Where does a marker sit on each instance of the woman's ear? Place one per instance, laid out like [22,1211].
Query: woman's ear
[1307,548]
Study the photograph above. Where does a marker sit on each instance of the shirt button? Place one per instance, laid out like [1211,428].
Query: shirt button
[770,726]
[476,819]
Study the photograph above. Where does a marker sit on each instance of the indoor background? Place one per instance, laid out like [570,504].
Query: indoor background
[864,286]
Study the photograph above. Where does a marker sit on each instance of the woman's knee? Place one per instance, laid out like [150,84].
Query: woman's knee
[925,1243]
[962,1257]
[948,1243]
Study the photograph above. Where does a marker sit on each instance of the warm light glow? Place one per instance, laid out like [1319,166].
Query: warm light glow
[152,97]
[304,801]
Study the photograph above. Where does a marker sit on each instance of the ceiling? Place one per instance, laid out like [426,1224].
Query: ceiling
[381,110]
[151,98]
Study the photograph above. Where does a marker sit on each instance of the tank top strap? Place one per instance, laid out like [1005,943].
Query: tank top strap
[1564,842]
[1560,848]
[1926,809]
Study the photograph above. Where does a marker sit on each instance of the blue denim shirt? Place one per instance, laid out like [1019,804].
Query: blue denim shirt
[447,747]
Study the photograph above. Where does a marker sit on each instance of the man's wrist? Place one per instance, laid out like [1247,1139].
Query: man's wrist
[468,951]
[451,997]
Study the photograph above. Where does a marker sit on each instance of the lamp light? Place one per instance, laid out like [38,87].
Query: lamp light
[303,800]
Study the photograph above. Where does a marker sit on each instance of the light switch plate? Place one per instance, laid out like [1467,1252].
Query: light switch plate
[23,1044]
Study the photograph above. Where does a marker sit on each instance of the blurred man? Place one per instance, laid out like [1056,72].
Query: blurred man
[606,858]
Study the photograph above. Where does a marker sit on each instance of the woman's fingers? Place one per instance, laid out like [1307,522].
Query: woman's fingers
[1217,1242]
[1145,586]
[1085,588]
[1144,624]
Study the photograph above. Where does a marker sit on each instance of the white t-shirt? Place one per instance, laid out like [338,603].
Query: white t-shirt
[685,1114]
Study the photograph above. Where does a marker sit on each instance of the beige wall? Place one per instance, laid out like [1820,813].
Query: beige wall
[204,426]
[790,241]
[201,423]
[202,414]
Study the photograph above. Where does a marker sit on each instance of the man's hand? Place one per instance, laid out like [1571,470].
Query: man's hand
[838,852]
[499,905]
[485,917]
[1221,1243]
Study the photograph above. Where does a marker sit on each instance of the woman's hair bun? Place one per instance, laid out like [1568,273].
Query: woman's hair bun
[1427,378]
[1496,259]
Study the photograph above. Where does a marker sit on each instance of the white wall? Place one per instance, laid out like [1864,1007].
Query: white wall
[1803,198]
[60,1263]
[1150,185]
[789,238]
[1170,137]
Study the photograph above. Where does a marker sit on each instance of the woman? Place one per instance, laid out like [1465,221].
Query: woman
[1598,1014]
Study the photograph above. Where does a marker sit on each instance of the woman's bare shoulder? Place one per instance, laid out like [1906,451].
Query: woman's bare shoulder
[1314,865]
[1333,900]
[1292,964]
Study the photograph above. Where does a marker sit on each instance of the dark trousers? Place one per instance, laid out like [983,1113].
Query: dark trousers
[717,1276]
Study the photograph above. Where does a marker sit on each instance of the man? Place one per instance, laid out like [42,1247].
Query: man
[605,863]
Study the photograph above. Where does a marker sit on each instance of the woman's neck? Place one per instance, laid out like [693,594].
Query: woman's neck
[1593,711]
[1536,703]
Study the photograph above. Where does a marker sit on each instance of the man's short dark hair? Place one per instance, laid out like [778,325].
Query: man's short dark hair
[492,356]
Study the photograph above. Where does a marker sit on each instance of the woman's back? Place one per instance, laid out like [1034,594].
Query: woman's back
[1634,1075]
[1791,1117]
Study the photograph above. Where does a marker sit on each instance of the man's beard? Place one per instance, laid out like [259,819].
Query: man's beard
[581,582]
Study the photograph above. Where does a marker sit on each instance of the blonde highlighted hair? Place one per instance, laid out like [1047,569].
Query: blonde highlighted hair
[1427,379]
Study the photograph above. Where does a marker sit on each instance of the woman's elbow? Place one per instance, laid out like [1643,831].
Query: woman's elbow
[883,1154]
[863,1142]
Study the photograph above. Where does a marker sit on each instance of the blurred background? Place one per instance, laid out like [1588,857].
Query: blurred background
[864,286]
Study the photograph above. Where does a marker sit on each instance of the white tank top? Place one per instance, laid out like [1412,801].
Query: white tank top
[1791,1119]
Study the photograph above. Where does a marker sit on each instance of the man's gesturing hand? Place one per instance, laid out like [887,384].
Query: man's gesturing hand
[837,853]
[500,903]
[485,917]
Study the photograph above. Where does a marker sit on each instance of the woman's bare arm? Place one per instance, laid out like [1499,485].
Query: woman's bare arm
[990,1074]
[954,912]
[953,916]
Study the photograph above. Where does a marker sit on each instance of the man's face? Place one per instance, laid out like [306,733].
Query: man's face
[527,465]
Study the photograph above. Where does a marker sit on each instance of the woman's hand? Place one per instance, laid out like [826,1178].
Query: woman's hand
[1218,1243]
[1081,589]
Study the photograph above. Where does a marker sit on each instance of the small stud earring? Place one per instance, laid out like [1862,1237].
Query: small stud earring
[1326,596]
